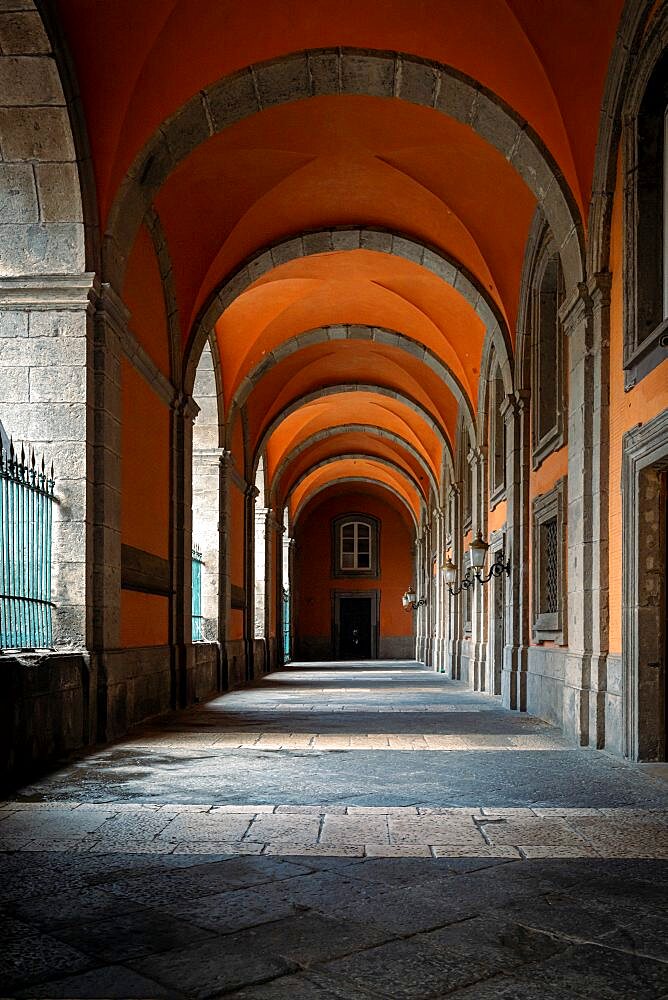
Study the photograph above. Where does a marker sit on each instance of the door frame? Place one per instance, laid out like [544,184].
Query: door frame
[644,458]
[374,610]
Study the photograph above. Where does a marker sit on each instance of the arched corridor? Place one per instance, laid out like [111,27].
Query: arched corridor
[333,420]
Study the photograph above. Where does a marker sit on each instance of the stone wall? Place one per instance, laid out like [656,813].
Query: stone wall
[44,711]
[138,687]
[546,667]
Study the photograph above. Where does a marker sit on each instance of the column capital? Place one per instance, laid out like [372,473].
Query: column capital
[477,455]
[454,491]
[184,406]
[109,306]
[599,288]
[576,308]
[514,404]
[49,291]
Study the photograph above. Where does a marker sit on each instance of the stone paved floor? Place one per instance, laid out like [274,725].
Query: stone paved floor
[351,831]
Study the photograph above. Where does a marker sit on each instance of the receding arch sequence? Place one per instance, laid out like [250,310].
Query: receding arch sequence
[339,431]
[340,71]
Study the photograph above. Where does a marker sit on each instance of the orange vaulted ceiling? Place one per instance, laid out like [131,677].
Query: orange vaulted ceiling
[355,408]
[351,444]
[351,468]
[138,62]
[357,287]
[347,362]
[344,160]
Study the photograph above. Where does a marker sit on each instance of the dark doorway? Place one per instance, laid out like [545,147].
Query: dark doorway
[355,625]
[355,636]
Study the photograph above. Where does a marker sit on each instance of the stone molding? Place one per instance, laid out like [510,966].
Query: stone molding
[442,265]
[642,353]
[644,446]
[628,41]
[344,71]
[47,291]
[161,248]
[354,479]
[546,506]
[375,334]
[363,458]
[379,390]
[142,362]
[368,429]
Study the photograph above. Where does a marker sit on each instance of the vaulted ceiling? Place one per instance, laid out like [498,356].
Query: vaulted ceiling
[349,226]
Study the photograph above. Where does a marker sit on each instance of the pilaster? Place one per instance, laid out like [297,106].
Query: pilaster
[477,459]
[184,410]
[455,616]
[585,317]
[110,321]
[515,411]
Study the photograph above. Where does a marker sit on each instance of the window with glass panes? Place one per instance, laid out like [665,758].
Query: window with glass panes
[355,545]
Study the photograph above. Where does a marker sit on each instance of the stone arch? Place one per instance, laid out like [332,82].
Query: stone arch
[353,479]
[377,334]
[487,364]
[344,71]
[538,235]
[357,387]
[352,428]
[443,265]
[40,160]
[624,63]
[363,458]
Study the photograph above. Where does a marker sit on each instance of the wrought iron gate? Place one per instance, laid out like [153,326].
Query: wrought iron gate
[197,617]
[26,517]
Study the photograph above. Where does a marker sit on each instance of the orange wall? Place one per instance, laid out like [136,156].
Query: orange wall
[144,619]
[313,563]
[144,465]
[627,409]
[144,501]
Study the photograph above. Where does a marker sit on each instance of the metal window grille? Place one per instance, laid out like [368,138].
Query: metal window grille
[197,617]
[550,541]
[26,518]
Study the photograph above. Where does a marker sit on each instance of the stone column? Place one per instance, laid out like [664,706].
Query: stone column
[111,320]
[515,411]
[225,469]
[439,593]
[251,493]
[46,402]
[260,538]
[272,587]
[454,642]
[417,617]
[585,317]
[477,458]
[183,413]
[599,292]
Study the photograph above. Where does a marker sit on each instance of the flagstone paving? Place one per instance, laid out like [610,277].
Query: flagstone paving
[339,830]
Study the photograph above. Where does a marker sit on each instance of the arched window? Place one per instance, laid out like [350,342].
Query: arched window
[548,417]
[645,171]
[355,546]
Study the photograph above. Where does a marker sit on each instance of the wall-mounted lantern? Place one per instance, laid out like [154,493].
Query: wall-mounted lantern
[478,551]
[409,600]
